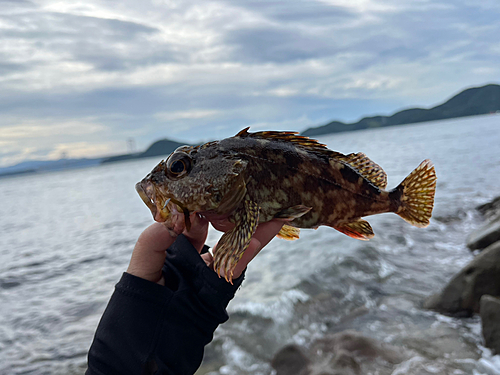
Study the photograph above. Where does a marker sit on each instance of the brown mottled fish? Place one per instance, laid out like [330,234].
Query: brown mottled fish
[252,178]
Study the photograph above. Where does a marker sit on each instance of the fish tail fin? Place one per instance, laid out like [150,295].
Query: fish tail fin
[414,196]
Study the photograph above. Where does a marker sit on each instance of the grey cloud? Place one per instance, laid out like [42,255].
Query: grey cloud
[92,40]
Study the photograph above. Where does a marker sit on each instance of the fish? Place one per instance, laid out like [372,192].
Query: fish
[252,178]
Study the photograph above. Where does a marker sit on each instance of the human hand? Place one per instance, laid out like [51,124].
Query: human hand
[149,252]
[263,235]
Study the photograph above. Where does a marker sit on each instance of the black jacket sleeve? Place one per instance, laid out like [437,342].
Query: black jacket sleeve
[152,329]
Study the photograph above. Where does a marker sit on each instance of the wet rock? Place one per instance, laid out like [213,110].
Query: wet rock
[490,209]
[485,235]
[490,318]
[462,294]
[342,363]
[361,347]
[338,354]
[291,360]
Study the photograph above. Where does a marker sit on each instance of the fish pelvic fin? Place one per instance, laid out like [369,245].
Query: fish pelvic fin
[289,233]
[232,244]
[415,195]
[359,229]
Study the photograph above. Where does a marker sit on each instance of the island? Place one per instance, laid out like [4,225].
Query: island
[470,102]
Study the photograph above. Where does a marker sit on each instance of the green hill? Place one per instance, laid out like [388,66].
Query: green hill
[470,102]
[162,147]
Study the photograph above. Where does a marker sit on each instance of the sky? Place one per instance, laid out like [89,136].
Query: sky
[81,78]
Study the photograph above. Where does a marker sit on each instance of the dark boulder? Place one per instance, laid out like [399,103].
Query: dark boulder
[491,209]
[338,354]
[490,318]
[462,294]
[291,360]
[485,235]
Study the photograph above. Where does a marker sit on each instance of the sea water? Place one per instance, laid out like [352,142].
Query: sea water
[66,237]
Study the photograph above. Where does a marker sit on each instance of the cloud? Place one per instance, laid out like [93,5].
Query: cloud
[202,70]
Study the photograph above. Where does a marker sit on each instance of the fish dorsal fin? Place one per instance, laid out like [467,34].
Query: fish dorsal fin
[306,143]
[366,167]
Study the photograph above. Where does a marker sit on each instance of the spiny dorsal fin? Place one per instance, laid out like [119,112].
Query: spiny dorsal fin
[364,165]
[367,168]
[306,143]
[360,229]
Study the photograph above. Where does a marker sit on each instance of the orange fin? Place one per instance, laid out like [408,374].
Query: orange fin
[359,229]
[293,212]
[366,167]
[416,195]
[289,233]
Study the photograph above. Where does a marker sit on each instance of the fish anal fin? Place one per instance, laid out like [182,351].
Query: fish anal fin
[359,229]
[293,212]
[289,233]
[366,167]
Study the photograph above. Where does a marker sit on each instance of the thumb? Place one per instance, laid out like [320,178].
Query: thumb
[150,252]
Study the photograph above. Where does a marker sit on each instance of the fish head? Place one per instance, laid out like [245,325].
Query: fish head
[190,180]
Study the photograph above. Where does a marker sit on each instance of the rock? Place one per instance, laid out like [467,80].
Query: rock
[291,360]
[485,235]
[338,354]
[490,318]
[361,347]
[462,294]
[342,363]
[490,209]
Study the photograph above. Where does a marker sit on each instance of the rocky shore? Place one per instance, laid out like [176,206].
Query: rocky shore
[473,291]
[476,288]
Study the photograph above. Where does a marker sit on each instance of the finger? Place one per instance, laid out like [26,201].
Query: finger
[222,225]
[197,235]
[209,260]
[267,231]
[252,250]
[263,235]
[149,252]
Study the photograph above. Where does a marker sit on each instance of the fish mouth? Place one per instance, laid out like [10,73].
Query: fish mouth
[163,208]
[147,198]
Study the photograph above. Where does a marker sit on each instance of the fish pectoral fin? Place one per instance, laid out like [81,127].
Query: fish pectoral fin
[359,229]
[233,243]
[289,233]
[234,196]
[293,212]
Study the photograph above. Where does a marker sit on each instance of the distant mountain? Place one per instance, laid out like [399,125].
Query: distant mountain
[470,102]
[159,148]
[34,166]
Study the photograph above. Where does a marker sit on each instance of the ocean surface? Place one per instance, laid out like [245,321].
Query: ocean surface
[66,237]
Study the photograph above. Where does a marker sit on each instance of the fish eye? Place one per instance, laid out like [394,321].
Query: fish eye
[178,164]
[177,167]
